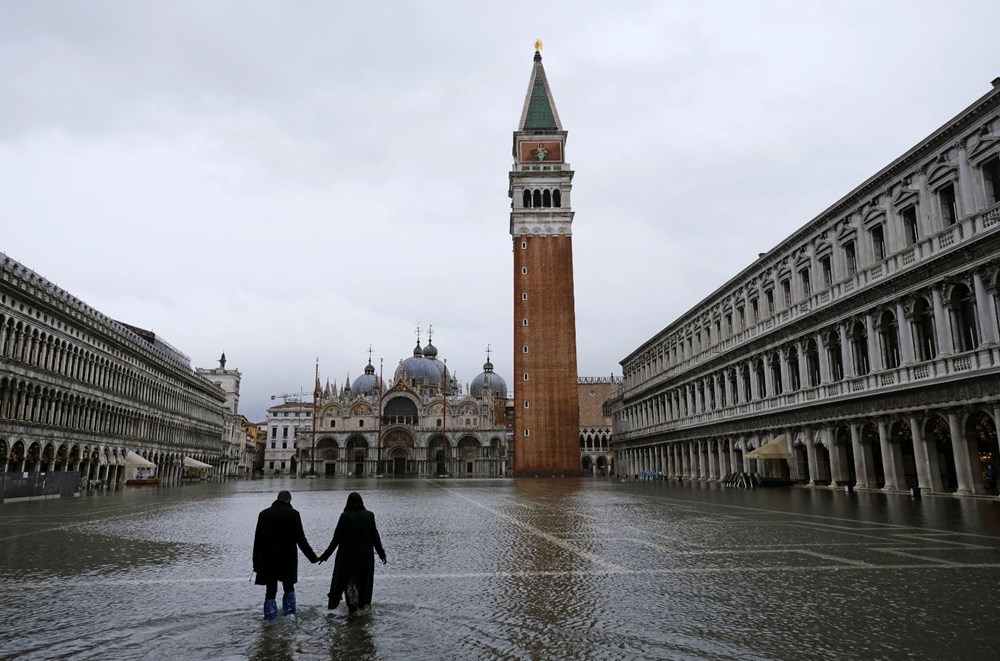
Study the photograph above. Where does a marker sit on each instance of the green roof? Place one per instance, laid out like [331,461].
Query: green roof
[540,115]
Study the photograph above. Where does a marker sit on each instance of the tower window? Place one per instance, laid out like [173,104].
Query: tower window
[527,432]
[524,322]
[524,349]
[524,244]
[536,198]
[524,296]
[524,270]
[546,199]
[556,198]
[525,403]
[526,199]
[525,376]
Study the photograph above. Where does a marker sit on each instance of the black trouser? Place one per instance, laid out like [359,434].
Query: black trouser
[272,588]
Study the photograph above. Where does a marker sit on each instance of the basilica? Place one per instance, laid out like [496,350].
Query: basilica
[421,422]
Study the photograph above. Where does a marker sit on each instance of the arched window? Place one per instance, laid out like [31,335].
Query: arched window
[859,348]
[546,198]
[889,340]
[761,381]
[812,363]
[776,373]
[835,356]
[536,198]
[556,198]
[794,382]
[527,199]
[963,319]
[924,336]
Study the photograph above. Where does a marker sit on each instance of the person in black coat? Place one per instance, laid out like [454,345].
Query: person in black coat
[356,541]
[275,558]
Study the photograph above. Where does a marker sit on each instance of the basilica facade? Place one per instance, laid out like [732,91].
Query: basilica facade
[417,423]
[862,351]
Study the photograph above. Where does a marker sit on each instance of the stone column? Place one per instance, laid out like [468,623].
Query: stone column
[905,335]
[811,456]
[965,458]
[754,388]
[801,347]
[768,378]
[942,326]
[728,385]
[836,452]
[713,461]
[845,352]
[987,332]
[925,455]
[875,363]
[823,350]
[889,451]
[860,455]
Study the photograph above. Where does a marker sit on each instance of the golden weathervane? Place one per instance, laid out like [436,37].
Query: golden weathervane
[538,44]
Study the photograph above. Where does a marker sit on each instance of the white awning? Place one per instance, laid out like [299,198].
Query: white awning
[194,463]
[132,459]
[776,449]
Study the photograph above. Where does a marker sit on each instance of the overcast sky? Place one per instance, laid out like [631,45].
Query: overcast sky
[286,181]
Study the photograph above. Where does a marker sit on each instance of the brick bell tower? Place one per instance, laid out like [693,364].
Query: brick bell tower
[546,403]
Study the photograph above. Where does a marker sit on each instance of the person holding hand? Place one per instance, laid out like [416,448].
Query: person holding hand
[356,540]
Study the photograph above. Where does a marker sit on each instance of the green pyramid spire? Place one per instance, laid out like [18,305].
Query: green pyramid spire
[539,109]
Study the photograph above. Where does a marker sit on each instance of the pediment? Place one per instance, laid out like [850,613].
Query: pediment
[846,233]
[941,173]
[874,216]
[905,197]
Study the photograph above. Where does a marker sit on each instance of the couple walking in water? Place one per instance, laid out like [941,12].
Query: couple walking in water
[275,556]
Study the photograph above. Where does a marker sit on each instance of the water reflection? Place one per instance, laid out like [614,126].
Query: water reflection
[511,570]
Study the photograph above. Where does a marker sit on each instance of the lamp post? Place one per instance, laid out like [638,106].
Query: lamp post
[316,393]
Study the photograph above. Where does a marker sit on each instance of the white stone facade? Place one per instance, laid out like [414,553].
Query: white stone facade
[79,390]
[865,344]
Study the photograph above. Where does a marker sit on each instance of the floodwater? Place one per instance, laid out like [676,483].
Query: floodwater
[503,569]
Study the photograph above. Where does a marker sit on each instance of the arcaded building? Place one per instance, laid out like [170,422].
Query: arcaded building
[862,350]
[85,396]
[546,408]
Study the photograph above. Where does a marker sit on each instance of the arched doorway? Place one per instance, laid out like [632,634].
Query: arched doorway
[357,452]
[587,465]
[327,454]
[902,436]
[398,444]
[468,452]
[936,429]
[871,440]
[847,447]
[982,432]
[397,461]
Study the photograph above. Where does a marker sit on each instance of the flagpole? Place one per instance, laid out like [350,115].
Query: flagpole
[378,440]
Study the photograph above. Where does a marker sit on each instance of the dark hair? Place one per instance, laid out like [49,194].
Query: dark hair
[354,502]
[285,496]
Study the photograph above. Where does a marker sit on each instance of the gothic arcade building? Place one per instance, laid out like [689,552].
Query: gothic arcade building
[85,396]
[862,349]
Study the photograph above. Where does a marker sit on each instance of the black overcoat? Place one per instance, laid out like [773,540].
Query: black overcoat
[275,556]
[356,541]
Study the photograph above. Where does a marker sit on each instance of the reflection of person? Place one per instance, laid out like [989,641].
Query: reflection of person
[354,567]
[275,558]
[991,479]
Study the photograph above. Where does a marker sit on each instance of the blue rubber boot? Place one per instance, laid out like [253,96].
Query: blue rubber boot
[270,609]
[288,603]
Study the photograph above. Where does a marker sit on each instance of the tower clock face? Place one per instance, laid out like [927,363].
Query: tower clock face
[534,151]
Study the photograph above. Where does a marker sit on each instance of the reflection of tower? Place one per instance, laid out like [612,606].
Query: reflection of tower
[546,405]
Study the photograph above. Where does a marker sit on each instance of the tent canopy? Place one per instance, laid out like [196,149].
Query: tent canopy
[194,463]
[132,459]
[776,449]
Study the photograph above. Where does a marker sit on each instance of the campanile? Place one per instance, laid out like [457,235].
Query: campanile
[546,403]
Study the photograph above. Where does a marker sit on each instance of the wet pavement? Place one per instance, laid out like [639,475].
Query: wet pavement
[501,569]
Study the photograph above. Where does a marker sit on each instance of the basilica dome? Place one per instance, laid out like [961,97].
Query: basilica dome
[367,383]
[488,378]
[418,370]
